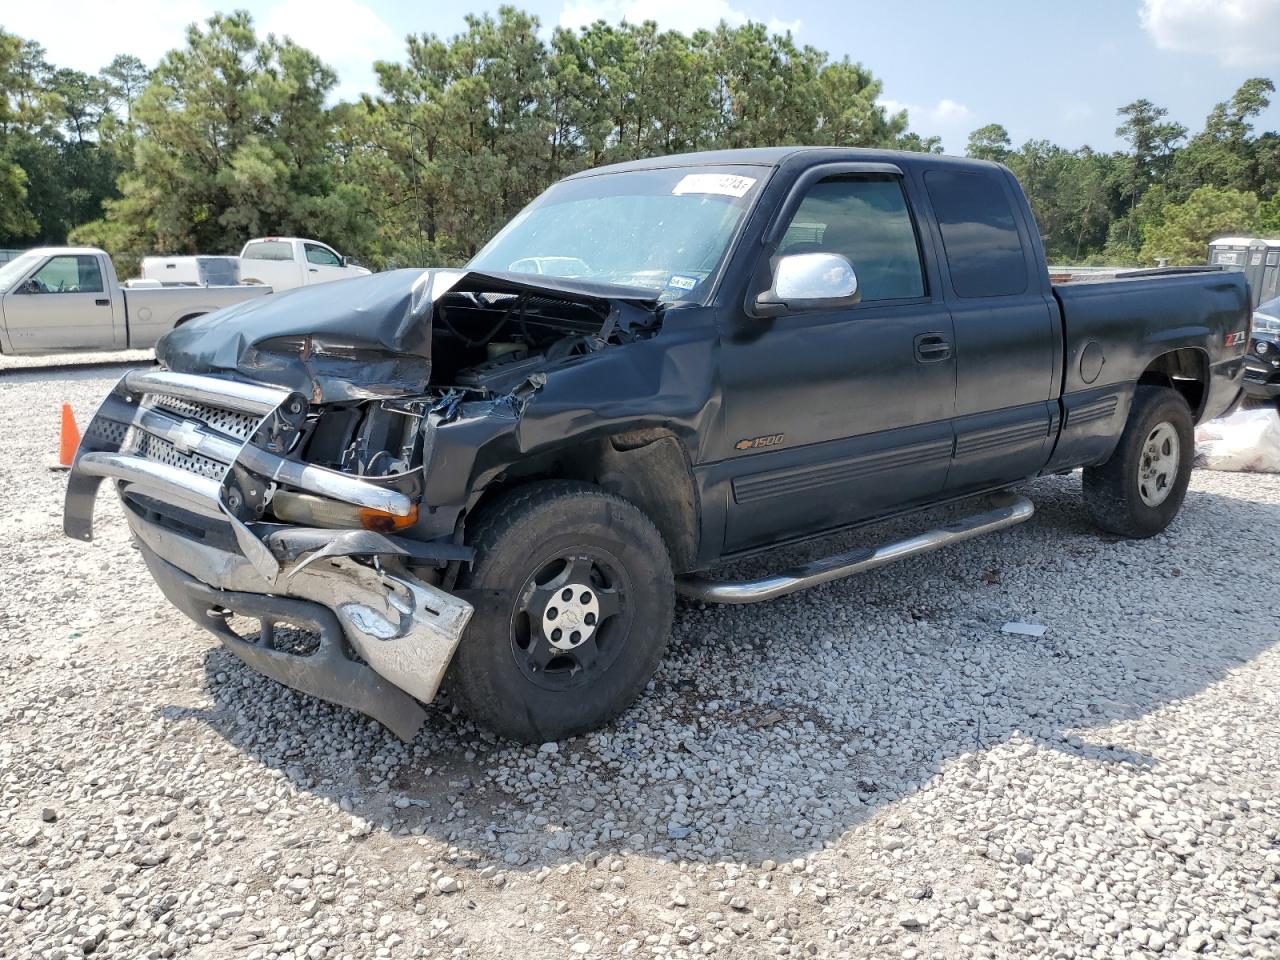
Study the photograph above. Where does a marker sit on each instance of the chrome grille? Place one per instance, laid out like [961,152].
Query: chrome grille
[162,451]
[230,422]
[107,431]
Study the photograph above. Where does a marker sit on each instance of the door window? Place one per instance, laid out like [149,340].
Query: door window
[322,256]
[69,274]
[979,234]
[865,219]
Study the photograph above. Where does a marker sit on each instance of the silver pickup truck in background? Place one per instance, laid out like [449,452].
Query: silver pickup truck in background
[57,299]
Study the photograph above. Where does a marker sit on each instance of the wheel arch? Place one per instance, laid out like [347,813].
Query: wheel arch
[647,466]
[1185,370]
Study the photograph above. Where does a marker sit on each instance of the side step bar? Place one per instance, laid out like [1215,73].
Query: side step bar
[1007,509]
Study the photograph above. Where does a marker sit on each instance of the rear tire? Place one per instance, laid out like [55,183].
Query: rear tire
[1139,491]
[574,604]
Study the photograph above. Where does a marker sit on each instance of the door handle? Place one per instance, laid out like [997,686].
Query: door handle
[313,270]
[102,303]
[932,347]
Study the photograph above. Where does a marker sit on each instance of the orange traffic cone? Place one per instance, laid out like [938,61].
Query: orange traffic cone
[69,441]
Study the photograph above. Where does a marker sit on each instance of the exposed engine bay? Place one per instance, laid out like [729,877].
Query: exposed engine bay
[394,334]
[389,359]
[484,347]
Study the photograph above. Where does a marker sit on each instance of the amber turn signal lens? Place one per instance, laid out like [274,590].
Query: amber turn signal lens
[383,522]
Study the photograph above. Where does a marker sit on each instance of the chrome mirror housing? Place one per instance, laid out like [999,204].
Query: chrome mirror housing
[809,281]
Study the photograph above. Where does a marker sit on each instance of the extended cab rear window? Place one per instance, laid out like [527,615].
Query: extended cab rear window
[268,250]
[979,233]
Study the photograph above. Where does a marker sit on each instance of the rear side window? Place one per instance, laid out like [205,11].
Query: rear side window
[268,250]
[979,233]
[866,220]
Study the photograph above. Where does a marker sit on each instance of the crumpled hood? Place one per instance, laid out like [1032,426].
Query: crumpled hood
[361,338]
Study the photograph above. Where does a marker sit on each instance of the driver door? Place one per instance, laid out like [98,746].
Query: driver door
[323,264]
[835,416]
[62,306]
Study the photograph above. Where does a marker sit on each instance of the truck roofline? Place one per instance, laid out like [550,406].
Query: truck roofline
[64,251]
[775,157]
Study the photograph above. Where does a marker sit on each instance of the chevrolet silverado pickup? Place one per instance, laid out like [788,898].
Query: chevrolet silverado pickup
[497,478]
[57,299]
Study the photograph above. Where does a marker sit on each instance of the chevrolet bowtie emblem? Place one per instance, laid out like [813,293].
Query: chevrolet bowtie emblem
[187,437]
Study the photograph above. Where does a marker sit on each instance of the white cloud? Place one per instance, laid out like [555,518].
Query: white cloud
[1236,32]
[683,15]
[86,34]
[784,26]
[345,34]
[946,113]
[949,112]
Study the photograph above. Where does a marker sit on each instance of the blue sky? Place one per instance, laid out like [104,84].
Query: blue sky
[1056,71]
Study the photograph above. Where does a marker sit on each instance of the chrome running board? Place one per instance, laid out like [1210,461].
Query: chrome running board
[1008,509]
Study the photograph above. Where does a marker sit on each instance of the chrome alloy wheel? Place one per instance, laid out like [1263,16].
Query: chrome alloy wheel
[1158,466]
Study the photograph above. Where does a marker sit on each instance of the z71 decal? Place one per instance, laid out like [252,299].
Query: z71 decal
[755,443]
[1235,338]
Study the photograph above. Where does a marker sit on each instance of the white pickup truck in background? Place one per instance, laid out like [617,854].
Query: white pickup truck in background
[280,262]
[57,299]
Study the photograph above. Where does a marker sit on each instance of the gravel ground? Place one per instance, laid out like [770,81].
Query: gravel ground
[869,769]
[74,361]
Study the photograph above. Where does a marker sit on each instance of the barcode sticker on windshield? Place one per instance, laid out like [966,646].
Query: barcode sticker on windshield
[721,184]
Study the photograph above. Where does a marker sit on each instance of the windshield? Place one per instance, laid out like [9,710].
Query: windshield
[15,270]
[667,230]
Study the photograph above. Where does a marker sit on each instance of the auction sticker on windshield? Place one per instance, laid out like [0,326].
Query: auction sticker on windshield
[721,184]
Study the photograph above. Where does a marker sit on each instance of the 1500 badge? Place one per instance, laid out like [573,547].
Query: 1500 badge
[755,443]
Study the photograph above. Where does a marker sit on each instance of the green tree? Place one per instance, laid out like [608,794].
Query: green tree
[16,219]
[1152,141]
[1225,153]
[234,140]
[125,77]
[989,143]
[848,114]
[1183,232]
[466,130]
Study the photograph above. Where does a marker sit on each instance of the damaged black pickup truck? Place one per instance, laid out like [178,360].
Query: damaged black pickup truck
[498,477]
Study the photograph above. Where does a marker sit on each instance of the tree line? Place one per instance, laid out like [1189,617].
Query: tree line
[233,135]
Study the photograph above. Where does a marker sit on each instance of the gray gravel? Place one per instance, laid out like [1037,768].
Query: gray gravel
[870,769]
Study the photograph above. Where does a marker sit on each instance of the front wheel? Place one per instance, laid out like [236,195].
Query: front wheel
[574,605]
[1139,491]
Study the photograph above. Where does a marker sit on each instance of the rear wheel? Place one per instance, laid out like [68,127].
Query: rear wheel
[1140,489]
[574,604]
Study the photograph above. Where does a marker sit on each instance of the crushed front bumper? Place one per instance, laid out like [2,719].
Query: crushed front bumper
[194,458]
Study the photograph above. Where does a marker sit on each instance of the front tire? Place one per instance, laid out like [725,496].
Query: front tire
[578,600]
[1140,489]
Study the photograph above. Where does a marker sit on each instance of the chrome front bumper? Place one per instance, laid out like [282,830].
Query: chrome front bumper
[193,456]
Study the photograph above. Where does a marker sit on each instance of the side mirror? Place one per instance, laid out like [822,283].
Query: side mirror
[809,281]
[31,287]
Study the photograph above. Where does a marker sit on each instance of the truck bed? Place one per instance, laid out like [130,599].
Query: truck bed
[1113,326]
[1060,276]
[152,312]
